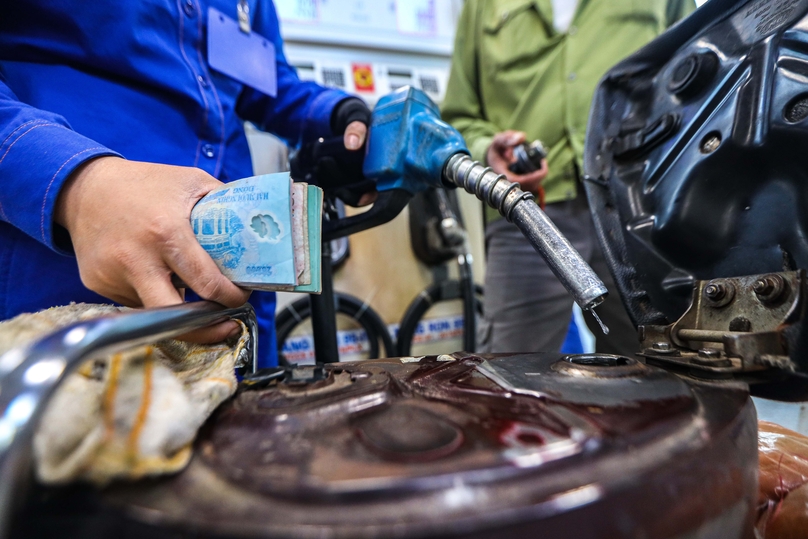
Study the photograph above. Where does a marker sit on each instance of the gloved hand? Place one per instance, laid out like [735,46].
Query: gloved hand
[336,164]
[351,117]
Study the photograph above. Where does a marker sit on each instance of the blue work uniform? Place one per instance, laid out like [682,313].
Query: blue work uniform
[79,80]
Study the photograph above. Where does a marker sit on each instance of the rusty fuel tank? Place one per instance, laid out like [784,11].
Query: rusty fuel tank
[538,445]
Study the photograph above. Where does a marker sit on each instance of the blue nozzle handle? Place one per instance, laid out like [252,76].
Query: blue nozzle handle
[409,144]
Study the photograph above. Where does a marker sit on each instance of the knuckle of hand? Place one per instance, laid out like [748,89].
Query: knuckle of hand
[122,258]
[161,229]
[210,289]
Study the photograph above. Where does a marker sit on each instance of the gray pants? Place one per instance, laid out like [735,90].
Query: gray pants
[526,308]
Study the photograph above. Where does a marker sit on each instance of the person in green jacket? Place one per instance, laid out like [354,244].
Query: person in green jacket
[524,70]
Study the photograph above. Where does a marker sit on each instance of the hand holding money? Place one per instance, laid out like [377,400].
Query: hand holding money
[129,225]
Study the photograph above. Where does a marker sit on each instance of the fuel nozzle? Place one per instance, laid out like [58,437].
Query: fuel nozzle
[518,207]
[411,149]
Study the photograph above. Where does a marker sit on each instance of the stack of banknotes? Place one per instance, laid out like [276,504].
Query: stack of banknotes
[264,232]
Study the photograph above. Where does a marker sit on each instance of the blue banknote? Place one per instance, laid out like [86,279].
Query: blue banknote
[246,227]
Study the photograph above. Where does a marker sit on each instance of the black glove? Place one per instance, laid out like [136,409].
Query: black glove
[328,164]
[347,111]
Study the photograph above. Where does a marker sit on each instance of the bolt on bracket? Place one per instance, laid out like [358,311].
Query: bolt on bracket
[734,326]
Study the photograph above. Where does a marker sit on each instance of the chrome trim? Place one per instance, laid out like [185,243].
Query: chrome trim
[30,375]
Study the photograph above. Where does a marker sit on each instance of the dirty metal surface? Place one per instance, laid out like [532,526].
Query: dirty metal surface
[694,172]
[737,327]
[455,446]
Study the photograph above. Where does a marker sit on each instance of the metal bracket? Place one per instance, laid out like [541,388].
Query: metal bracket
[735,328]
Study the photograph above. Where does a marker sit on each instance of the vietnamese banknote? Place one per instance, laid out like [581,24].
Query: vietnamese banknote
[247,228]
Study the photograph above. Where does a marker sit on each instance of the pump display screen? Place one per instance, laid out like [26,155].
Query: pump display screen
[387,24]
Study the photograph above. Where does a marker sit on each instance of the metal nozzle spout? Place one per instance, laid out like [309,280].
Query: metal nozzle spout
[518,207]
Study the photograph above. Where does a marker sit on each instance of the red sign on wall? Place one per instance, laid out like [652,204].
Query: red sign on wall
[363,77]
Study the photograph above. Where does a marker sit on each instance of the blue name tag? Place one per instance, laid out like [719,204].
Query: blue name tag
[248,58]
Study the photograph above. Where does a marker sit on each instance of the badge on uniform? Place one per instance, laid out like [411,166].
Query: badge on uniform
[241,54]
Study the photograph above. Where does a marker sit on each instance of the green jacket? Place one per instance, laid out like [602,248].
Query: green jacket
[512,70]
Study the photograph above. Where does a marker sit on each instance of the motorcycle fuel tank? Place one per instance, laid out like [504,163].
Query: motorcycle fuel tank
[538,445]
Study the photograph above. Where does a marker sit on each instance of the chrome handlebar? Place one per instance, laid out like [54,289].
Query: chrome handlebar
[30,375]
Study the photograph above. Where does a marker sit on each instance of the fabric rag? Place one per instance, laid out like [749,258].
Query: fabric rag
[125,415]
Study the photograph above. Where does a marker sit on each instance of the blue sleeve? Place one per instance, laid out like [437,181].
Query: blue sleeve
[302,110]
[38,152]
